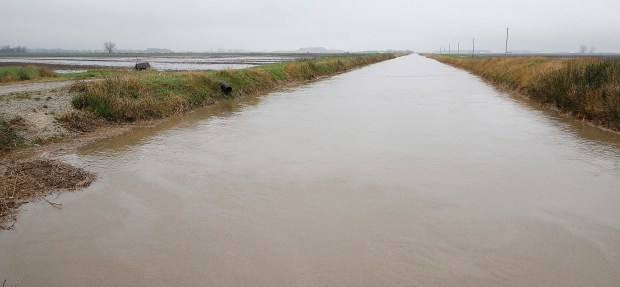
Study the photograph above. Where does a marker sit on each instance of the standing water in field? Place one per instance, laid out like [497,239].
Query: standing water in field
[407,172]
[161,63]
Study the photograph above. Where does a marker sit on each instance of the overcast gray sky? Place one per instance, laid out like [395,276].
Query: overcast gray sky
[267,25]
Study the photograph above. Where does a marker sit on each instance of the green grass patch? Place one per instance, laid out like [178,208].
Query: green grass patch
[9,139]
[15,74]
[90,74]
[131,96]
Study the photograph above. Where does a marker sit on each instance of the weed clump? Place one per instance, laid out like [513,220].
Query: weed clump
[78,121]
[9,137]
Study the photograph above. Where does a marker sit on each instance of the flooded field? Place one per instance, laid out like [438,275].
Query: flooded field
[404,173]
[163,63]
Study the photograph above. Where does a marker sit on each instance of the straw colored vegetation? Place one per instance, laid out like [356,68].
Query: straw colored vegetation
[14,74]
[25,181]
[151,95]
[586,88]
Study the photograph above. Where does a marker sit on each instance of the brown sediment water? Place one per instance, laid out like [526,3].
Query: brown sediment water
[403,173]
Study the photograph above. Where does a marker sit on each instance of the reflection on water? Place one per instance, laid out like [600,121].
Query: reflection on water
[407,172]
[69,71]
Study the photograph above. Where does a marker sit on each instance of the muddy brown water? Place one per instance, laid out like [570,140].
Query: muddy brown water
[404,173]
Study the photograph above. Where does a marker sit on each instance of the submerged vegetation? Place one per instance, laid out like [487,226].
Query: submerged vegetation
[14,74]
[587,88]
[151,95]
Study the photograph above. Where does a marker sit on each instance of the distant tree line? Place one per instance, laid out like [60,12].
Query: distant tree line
[14,50]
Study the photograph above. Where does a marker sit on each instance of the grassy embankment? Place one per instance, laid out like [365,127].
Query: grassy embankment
[152,95]
[586,88]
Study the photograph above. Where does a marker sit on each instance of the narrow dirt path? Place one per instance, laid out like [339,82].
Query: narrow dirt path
[36,106]
[32,87]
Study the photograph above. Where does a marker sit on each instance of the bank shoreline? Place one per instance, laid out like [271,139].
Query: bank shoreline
[15,165]
[585,89]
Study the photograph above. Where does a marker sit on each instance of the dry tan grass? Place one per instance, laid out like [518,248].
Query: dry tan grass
[24,181]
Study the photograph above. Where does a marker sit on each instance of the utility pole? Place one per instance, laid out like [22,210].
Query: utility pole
[506,52]
[473,46]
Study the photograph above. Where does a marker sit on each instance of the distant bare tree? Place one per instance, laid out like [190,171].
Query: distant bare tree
[109,46]
[592,50]
[583,49]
